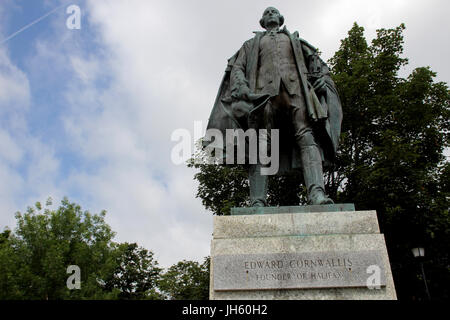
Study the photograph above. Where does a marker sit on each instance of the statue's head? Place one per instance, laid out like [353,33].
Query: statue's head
[271,16]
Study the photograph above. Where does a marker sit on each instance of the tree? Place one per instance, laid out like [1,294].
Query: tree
[391,153]
[46,242]
[136,275]
[34,259]
[9,286]
[186,280]
[390,158]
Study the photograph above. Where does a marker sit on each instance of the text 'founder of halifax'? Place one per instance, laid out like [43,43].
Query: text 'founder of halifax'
[278,81]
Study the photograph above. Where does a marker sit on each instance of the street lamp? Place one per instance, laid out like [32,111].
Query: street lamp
[419,253]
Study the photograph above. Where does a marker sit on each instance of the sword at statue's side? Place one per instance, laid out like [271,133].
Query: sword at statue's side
[315,74]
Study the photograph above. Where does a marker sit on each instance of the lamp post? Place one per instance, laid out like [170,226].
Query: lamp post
[419,253]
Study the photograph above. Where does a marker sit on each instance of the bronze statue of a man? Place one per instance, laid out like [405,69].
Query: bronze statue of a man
[277,81]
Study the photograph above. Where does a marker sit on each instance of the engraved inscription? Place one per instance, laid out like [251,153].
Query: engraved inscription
[295,270]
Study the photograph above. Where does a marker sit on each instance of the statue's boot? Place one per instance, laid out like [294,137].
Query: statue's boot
[313,175]
[258,186]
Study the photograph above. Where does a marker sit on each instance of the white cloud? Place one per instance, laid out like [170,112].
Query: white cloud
[14,92]
[86,70]
[14,88]
[10,152]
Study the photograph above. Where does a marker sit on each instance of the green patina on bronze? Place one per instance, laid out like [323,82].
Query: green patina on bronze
[278,81]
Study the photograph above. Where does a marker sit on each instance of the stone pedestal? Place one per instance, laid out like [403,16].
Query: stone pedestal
[311,252]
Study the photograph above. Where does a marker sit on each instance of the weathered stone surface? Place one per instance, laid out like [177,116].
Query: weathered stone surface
[293,209]
[297,234]
[300,224]
[385,293]
[298,270]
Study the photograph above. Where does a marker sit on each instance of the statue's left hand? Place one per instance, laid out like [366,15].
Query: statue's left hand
[242,94]
[320,85]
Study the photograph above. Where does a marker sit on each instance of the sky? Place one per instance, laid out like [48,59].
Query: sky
[89,113]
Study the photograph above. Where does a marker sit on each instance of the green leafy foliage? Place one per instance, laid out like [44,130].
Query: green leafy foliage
[186,280]
[391,155]
[136,275]
[34,259]
[46,242]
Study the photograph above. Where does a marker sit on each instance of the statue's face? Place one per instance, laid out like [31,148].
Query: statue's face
[271,16]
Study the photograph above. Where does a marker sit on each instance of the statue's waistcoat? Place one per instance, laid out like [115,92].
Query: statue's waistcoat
[277,64]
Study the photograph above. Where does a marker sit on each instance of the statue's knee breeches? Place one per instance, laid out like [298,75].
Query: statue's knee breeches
[302,128]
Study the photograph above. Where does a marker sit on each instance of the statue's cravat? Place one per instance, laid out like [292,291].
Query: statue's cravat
[273,33]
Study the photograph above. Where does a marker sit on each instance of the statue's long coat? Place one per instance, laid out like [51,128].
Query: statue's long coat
[326,130]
